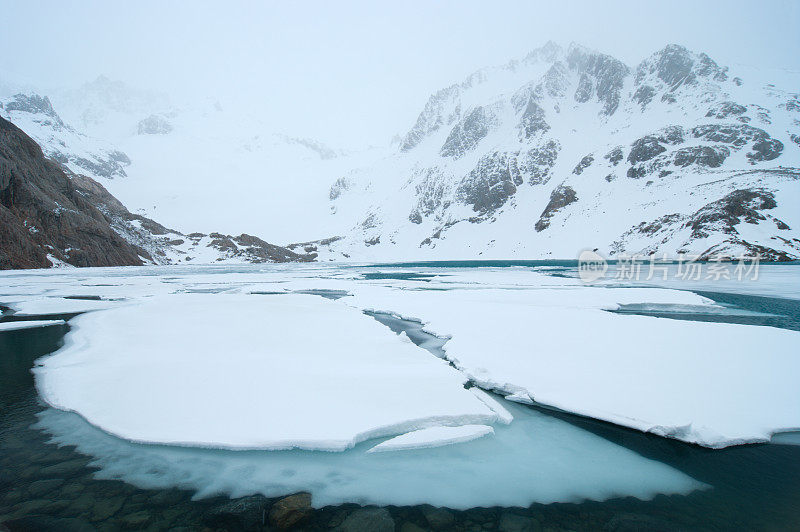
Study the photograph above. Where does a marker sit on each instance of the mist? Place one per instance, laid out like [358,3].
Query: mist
[354,74]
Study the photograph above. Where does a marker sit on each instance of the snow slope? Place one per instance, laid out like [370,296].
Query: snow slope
[570,149]
[196,166]
[92,163]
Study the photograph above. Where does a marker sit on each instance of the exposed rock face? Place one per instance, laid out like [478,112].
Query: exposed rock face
[675,66]
[675,133]
[468,132]
[559,198]
[59,141]
[44,220]
[740,206]
[372,519]
[289,511]
[438,113]
[166,246]
[601,76]
[35,105]
[154,125]
[491,183]
[533,120]
[584,163]
[725,216]
[726,109]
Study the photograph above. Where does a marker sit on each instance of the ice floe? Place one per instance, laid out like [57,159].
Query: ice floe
[247,371]
[32,324]
[433,437]
[713,384]
[58,305]
[522,332]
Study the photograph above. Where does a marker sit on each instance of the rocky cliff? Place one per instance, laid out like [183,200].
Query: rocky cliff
[44,219]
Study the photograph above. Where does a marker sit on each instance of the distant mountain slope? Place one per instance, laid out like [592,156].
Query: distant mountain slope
[51,216]
[569,149]
[44,220]
[162,159]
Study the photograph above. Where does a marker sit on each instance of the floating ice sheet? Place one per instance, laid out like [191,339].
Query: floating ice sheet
[249,371]
[17,325]
[433,437]
[714,384]
[58,305]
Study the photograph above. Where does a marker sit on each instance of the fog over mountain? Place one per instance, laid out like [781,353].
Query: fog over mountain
[451,130]
[355,73]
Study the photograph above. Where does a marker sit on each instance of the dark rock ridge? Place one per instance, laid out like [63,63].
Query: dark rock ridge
[723,216]
[601,77]
[165,245]
[656,150]
[468,132]
[560,197]
[312,246]
[43,217]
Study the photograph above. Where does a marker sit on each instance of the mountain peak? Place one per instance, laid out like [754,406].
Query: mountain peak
[676,65]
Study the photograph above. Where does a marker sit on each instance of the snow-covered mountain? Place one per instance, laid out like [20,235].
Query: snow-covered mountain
[192,165]
[93,166]
[569,149]
[563,150]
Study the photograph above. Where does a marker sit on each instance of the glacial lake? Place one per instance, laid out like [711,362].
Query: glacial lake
[548,469]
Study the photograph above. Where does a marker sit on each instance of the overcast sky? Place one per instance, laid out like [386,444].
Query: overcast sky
[356,72]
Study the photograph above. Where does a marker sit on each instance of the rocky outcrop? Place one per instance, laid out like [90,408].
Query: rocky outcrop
[559,198]
[601,77]
[467,133]
[154,125]
[491,183]
[59,141]
[167,246]
[44,219]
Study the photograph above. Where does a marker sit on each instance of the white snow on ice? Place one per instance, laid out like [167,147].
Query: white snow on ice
[714,384]
[433,437]
[239,371]
[515,330]
[17,325]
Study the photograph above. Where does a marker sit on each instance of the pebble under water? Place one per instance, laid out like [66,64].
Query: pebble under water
[44,486]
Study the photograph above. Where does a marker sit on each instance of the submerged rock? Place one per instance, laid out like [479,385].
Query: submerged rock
[510,522]
[368,520]
[438,518]
[290,510]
